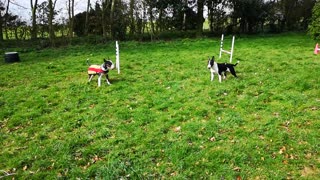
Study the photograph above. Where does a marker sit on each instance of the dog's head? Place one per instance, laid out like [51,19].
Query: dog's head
[210,62]
[108,64]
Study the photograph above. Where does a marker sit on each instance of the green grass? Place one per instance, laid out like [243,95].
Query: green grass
[162,117]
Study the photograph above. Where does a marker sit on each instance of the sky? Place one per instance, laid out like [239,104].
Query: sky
[22,8]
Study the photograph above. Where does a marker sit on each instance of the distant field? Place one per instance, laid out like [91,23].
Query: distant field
[162,117]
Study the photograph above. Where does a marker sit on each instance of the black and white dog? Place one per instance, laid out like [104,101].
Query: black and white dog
[220,68]
[100,70]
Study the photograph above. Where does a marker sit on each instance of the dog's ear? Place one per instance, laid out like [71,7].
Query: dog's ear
[212,58]
[104,60]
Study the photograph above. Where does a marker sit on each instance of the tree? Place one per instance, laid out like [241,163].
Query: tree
[51,7]
[296,13]
[200,18]
[71,17]
[151,4]
[6,17]
[249,16]
[1,20]
[314,26]
[34,18]
[216,15]
[306,14]
[132,25]
[94,22]
[79,24]
[42,18]
[104,6]
[111,20]
[16,27]
[183,15]
[120,21]
[86,28]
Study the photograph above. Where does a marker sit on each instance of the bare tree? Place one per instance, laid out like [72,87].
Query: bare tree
[1,20]
[151,5]
[105,4]
[185,6]
[200,18]
[131,15]
[6,16]
[86,30]
[71,17]
[52,5]
[34,20]
[111,15]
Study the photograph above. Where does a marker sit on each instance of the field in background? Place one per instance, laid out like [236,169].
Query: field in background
[162,117]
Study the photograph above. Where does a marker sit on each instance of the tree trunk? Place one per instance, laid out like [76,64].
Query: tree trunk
[71,17]
[51,16]
[111,17]
[33,16]
[6,20]
[132,24]
[15,29]
[200,18]
[160,21]
[144,17]
[103,18]
[86,30]
[210,14]
[151,21]
[184,27]
[1,29]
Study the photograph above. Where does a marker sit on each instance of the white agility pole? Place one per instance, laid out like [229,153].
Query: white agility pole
[225,51]
[117,57]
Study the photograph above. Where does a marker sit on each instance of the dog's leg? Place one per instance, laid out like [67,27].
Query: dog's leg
[212,74]
[233,72]
[99,80]
[90,77]
[107,79]
[224,75]
[219,77]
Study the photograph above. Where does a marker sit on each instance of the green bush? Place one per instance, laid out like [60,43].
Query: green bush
[314,26]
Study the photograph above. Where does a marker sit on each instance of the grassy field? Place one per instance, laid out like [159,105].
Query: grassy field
[162,117]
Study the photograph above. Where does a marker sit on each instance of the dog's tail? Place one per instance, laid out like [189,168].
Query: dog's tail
[88,62]
[236,63]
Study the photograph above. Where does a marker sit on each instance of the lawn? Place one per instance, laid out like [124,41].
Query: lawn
[162,117]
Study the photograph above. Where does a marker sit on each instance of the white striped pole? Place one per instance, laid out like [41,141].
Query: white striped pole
[221,45]
[232,49]
[117,57]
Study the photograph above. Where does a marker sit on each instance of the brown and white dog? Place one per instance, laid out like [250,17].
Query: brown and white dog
[100,70]
[220,68]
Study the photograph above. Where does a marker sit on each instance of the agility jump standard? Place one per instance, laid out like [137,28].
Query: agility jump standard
[117,57]
[225,51]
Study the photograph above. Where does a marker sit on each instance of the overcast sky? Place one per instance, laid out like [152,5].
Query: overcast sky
[23,8]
